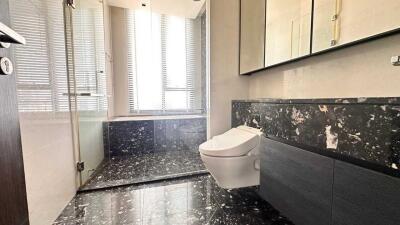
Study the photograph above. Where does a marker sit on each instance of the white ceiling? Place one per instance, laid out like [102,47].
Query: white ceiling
[183,8]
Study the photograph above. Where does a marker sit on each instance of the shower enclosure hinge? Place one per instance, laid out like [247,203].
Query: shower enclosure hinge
[71,3]
[80,166]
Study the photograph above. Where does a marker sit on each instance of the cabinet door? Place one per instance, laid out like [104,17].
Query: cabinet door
[362,196]
[297,182]
[288,30]
[354,20]
[252,35]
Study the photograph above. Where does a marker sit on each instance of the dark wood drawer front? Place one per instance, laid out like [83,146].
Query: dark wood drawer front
[362,196]
[297,182]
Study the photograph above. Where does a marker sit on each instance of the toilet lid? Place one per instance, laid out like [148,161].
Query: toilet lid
[235,142]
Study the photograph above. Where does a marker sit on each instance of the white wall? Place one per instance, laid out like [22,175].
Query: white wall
[49,164]
[225,82]
[359,71]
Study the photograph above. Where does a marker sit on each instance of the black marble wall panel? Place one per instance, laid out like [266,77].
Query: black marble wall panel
[106,140]
[193,132]
[130,137]
[180,134]
[365,129]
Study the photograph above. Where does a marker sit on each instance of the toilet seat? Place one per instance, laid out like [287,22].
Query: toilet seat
[232,158]
[233,143]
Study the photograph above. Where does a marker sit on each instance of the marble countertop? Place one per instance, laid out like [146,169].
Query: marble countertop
[360,100]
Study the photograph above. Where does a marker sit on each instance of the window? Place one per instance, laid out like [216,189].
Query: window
[42,81]
[89,58]
[40,64]
[163,62]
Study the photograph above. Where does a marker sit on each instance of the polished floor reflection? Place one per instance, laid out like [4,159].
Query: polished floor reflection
[186,201]
[145,167]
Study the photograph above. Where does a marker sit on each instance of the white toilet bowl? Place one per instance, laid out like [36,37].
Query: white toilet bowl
[232,158]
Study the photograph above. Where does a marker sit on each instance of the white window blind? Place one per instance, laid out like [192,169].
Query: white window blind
[42,80]
[163,62]
[41,64]
[89,58]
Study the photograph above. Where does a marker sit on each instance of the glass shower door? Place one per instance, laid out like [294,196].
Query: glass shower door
[87,82]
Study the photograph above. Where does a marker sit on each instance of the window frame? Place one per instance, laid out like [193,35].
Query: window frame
[190,88]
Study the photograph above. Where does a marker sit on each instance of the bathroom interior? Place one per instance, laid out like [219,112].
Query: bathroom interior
[199,112]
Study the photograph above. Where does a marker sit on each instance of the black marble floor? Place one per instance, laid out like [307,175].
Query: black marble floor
[183,201]
[145,167]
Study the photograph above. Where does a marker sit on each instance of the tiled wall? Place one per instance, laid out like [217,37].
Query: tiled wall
[364,129]
[130,137]
[225,83]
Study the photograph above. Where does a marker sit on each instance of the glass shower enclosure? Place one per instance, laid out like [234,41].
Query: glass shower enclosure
[84,29]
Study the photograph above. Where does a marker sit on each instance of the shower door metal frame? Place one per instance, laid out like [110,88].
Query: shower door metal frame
[72,98]
[74,94]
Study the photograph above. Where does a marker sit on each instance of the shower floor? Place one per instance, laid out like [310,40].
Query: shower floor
[145,167]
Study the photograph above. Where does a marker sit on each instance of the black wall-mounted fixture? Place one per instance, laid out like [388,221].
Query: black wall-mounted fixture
[8,36]
[70,3]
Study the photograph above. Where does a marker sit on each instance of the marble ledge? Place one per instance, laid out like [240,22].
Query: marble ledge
[363,131]
[360,100]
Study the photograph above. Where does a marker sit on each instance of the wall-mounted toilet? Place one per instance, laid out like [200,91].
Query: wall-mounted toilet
[232,158]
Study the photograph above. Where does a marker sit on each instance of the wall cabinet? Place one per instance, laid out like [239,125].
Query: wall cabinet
[274,32]
[310,188]
[252,35]
[297,183]
[362,196]
[339,22]
[287,38]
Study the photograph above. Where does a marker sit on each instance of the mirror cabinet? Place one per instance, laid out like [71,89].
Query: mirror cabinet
[252,35]
[288,30]
[340,22]
[274,32]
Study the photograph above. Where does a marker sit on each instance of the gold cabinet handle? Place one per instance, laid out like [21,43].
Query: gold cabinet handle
[335,23]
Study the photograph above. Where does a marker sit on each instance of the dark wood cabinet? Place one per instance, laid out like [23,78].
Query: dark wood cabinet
[362,196]
[14,209]
[298,183]
[310,188]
